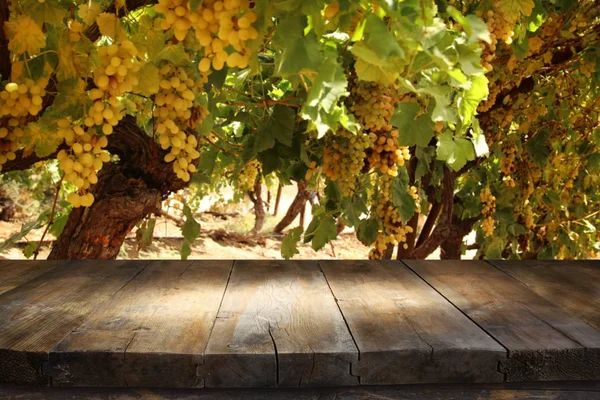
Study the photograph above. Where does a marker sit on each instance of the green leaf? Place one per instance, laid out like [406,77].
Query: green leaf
[379,57]
[69,100]
[25,229]
[298,52]
[402,200]
[470,99]
[321,105]
[149,77]
[412,131]
[495,249]
[455,152]
[289,244]
[60,220]
[145,233]
[279,126]
[474,28]
[173,53]
[425,156]
[49,12]
[321,230]
[367,231]
[190,231]
[30,249]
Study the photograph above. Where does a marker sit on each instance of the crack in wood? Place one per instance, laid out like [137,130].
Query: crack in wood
[351,365]
[276,355]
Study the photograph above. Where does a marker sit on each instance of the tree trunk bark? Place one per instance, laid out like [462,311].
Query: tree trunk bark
[277,199]
[126,192]
[259,209]
[292,212]
[98,232]
[451,248]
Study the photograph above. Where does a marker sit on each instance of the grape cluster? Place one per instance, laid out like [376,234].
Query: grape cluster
[248,175]
[344,158]
[488,210]
[372,104]
[116,76]
[82,161]
[394,230]
[175,111]
[18,101]
[500,28]
[507,162]
[385,154]
[218,24]
[22,99]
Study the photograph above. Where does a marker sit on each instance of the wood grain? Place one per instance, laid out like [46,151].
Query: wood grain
[544,341]
[279,325]
[565,391]
[405,331]
[151,333]
[15,273]
[573,285]
[37,315]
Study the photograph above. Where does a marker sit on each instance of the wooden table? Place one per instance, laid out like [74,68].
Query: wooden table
[290,324]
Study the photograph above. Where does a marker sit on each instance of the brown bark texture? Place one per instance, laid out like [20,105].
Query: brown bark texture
[295,208]
[127,191]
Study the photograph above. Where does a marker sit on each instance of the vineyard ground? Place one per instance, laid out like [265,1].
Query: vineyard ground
[222,237]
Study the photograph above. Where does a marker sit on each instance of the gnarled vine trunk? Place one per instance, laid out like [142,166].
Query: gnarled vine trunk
[126,192]
[295,208]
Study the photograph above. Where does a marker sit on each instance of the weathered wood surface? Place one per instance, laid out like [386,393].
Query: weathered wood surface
[562,391]
[405,331]
[16,273]
[152,333]
[279,325]
[37,315]
[544,341]
[574,285]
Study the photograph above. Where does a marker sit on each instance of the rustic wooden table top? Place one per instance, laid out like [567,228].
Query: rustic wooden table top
[261,324]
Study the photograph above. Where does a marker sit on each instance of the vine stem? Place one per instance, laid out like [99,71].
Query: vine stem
[51,220]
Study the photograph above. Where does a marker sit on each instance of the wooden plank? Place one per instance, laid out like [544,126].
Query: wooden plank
[405,331]
[580,391]
[573,285]
[151,333]
[544,341]
[279,325]
[37,315]
[15,273]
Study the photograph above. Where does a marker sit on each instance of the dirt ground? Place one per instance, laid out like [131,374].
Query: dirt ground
[222,237]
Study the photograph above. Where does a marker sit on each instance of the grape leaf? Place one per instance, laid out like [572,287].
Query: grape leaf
[403,201]
[25,36]
[470,99]
[69,100]
[190,231]
[279,126]
[148,75]
[108,24]
[49,12]
[299,52]
[512,9]
[45,141]
[321,230]
[367,231]
[289,244]
[412,131]
[321,105]
[455,152]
